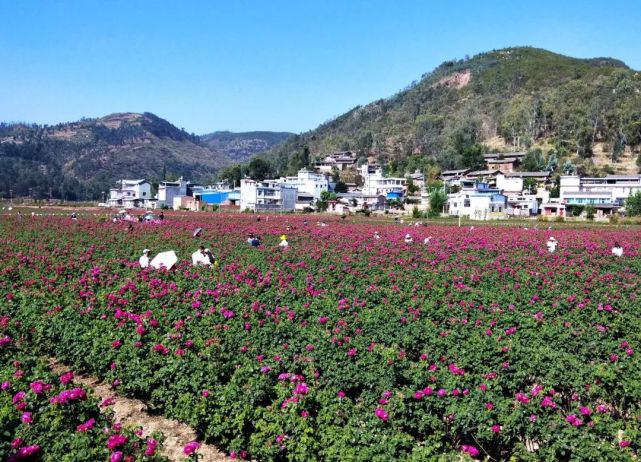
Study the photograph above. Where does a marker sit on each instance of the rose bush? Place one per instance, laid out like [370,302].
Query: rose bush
[46,417]
[342,347]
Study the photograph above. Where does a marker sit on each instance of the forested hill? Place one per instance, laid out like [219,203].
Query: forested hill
[79,160]
[584,110]
[241,146]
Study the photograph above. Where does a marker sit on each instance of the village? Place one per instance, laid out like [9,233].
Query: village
[498,192]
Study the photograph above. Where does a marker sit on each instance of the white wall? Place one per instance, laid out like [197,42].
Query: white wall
[509,184]
[284,198]
[456,204]
[308,182]
[480,207]
[247,194]
[569,183]
[288,198]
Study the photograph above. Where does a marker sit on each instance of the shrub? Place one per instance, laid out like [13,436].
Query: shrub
[589,212]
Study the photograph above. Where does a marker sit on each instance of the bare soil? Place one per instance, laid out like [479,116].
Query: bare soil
[134,413]
[456,80]
[626,165]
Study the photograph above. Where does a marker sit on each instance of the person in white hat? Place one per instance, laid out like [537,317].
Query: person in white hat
[408,239]
[376,235]
[551,244]
[144,259]
[283,242]
[427,240]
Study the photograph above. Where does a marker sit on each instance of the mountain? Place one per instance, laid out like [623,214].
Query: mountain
[79,160]
[241,146]
[583,111]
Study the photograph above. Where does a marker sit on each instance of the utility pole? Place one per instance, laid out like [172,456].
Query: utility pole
[11,196]
[50,194]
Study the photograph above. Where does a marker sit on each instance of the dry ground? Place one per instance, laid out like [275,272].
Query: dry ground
[134,413]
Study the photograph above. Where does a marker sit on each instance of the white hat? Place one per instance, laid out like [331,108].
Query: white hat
[207,250]
[552,239]
[407,235]
[145,251]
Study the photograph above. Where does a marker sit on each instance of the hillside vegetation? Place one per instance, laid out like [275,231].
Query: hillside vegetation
[241,146]
[516,98]
[80,160]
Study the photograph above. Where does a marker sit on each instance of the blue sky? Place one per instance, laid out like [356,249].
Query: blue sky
[269,65]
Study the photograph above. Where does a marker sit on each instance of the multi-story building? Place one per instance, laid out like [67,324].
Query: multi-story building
[418,179]
[478,201]
[131,194]
[267,196]
[338,160]
[522,205]
[375,184]
[502,164]
[619,188]
[309,184]
[511,185]
[168,190]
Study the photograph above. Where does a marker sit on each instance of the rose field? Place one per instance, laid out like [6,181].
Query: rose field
[477,345]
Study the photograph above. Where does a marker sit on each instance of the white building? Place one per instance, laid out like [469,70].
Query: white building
[553,208]
[375,184]
[131,194]
[509,184]
[168,190]
[522,205]
[480,202]
[356,200]
[309,184]
[417,178]
[339,160]
[619,188]
[454,177]
[267,195]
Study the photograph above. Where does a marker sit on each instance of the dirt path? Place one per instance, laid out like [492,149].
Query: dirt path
[133,412]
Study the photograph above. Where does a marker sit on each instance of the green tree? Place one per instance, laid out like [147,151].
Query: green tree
[462,133]
[437,201]
[411,187]
[530,184]
[534,161]
[233,174]
[301,159]
[259,169]
[365,142]
[617,149]
[321,206]
[473,157]
[589,212]
[340,187]
[633,205]
[323,203]
[552,163]
[569,168]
